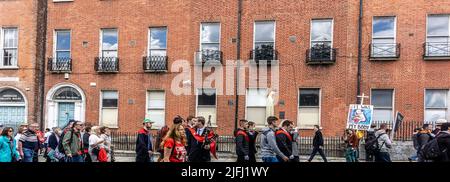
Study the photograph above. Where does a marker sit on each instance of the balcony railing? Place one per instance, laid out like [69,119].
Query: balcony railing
[384,51]
[436,50]
[207,55]
[59,65]
[321,54]
[155,63]
[267,54]
[106,64]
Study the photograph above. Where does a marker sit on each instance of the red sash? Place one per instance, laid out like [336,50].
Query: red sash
[201,139]
[243,133]
[285,133]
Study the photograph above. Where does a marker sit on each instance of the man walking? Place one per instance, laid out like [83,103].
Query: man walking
[144,143]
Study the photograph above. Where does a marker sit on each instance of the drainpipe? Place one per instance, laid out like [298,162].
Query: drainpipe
[358,91]
[238,57]
[41,27]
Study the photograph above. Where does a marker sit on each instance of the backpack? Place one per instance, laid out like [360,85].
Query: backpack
[372,145]
[60,144]
[431,150]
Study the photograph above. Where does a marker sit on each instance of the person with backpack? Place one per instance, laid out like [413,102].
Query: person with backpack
[383,144]
[86,135]
[72,143]
[53,141]
[284,139]
[242,142]
[269,148]
[423,138]
[252,135]
[174,144]
[443,140]
[317,144]
[144,143]
[415,144]
[370,155]
[8,151]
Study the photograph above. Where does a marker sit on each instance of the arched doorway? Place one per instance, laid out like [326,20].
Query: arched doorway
[64,103]
[13,107]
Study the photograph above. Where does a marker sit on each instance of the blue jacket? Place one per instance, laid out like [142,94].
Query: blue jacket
[5,149]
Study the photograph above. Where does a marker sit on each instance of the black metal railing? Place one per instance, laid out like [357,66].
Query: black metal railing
[106,64]
[155,63]
[321,54]
[267,54]
[384,51]
[437,50]
[59,64]
[208,55]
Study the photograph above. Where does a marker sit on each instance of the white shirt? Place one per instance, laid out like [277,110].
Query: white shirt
[17,138]
[46,136]
[94,139]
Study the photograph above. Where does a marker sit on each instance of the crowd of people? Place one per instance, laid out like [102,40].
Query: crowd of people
[192,140]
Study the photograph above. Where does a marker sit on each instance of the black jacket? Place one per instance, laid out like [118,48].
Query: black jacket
[53,141]
[196,151]
[143,146]
[284,143]
[318,139]
[444,145]
[188,137]
[86,140]
[242,143]
[252,143]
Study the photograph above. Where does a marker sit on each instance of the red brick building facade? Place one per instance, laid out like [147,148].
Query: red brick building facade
[316,43]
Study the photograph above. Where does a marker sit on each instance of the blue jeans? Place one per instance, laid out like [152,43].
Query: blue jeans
[383,157]
[77,158]
[270,159]
[350,155]
[28,155]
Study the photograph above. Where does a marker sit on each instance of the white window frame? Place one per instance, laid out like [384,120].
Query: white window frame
[55,41]
[2,34]
[395,28]
[201,35]
[427,23]
[447,109]
[274,33]
[206,106]
[385,108]
[149,42]
[246,106]
[311,30]
[147,95]
[299,107]
[101,41]
[101,108]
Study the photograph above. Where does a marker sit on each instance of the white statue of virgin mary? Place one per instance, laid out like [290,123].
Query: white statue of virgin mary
[270,104]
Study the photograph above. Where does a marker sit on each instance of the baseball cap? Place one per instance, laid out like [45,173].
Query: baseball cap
[146,120]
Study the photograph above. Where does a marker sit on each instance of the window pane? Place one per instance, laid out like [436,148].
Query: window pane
[158,38]
[382,98]
[158,53]
[63,40]
[436,98]
[206,112]
[256,97]
[264,46]
[321,30]
[383,26]
[110,117]
[10,57]
[156,99]
[309,97]
[109,54]
[257,115]
[383,41]
[210,32]
[109,98]
[308,117]
[63,54]
[210,46]
[109,39]
[158,116]
[439,40]
[438,25]
[382,115]
[435,114]
[10,38]
[207,97]
[265,31]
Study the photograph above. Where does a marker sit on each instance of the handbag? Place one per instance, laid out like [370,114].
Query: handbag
[96,151]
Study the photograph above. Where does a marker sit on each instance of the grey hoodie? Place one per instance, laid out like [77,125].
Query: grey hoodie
[269,146]
[384,142]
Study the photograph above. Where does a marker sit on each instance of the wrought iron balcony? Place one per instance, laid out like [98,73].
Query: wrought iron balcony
[437,51]
[268,54]
[106,64]
[155,63]
[321,54]
[208,55]
[384,51]
[59,65]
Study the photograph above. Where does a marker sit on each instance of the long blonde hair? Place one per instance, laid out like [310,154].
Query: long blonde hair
[175,135]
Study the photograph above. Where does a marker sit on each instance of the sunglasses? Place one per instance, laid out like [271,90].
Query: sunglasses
[10,131]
